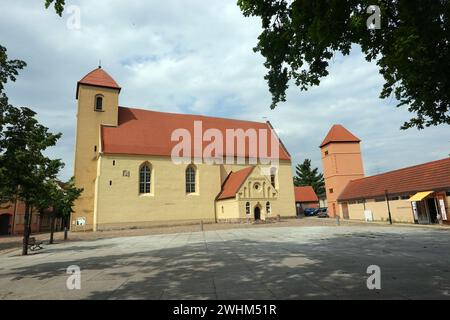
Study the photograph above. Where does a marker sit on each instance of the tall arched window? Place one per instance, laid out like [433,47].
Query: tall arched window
[145,178]
[98,102]
[268,207]
[273,172]
[247,208]
[190,179]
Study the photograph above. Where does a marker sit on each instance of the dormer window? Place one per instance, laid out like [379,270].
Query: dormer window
[99,102]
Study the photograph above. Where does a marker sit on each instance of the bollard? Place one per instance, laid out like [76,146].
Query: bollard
[201,225]
[65,233]
[338,222]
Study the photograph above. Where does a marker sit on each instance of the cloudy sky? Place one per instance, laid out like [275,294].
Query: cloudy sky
[196,57]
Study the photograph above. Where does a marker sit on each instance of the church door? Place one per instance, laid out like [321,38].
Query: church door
[257,213]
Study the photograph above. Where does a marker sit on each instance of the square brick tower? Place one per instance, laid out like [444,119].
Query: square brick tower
[342,162]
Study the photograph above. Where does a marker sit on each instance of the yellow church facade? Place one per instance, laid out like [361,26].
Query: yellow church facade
[124,163]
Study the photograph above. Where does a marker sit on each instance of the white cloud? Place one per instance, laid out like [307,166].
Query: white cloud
[196,57]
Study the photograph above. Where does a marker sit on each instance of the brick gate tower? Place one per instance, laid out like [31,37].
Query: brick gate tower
[342,162]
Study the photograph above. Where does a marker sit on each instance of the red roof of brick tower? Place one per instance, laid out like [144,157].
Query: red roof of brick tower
[338,133]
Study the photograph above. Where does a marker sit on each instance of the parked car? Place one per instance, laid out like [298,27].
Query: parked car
[322,213]
[309,212]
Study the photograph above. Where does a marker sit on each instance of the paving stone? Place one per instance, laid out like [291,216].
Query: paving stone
[257,263]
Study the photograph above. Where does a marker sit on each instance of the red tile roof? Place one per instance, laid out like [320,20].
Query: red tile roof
[338,133]
[233,183]
[429,176]
[305,194]
[144,132]
[99,78]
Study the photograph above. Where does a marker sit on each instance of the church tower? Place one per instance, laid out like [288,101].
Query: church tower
[98,104]
[342,162]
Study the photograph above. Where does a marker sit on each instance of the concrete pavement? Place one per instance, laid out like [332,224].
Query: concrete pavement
[266,263]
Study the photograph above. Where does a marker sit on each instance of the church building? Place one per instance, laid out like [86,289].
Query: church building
[124,162]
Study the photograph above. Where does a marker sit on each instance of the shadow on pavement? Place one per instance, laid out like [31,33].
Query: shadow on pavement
[413,266]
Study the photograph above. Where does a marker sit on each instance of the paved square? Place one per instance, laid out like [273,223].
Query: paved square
[264,263]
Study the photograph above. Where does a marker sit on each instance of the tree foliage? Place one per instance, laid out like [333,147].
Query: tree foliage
[307,176]
[57,4]
[411,49]
[25,171]
[9,69]
[63,198]
[23,165]
[58,198]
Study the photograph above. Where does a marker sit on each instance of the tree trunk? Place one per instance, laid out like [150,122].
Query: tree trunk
[65,226]
[52,228]
[26,229]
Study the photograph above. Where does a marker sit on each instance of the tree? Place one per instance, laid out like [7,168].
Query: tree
[58,5]
[23,168]
[9,69]
[65,197]
[412,48]
[59,198]
[306,176]
[26,171]
[50,197]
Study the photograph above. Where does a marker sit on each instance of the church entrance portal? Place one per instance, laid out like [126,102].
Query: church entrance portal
[257,213]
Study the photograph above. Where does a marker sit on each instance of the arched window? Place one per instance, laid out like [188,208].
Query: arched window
[268,207]
[247,208]
[273,172]
[98,102]
[145,175]
[190,179]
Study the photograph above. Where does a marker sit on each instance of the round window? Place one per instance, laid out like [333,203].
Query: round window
[257,186]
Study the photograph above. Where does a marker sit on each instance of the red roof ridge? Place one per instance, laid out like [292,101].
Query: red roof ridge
[401,169]
[192,115]
[148,132]
[420,177]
